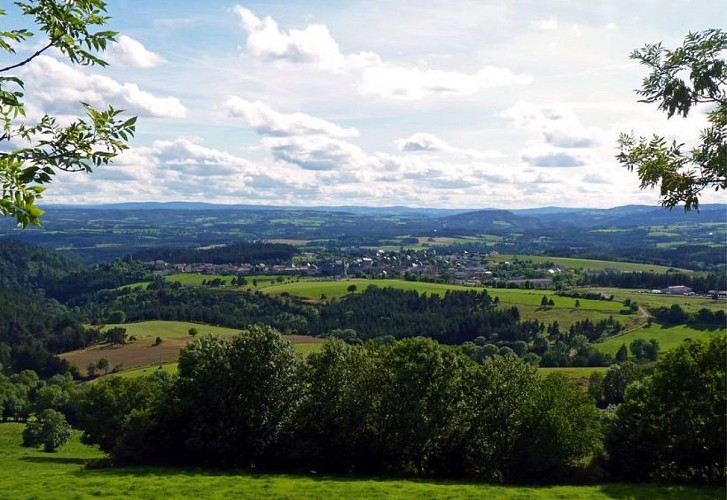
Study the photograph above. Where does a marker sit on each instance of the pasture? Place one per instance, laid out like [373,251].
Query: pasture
[32,474]
[669,337]
[335,289]
[528,301]
[587,264]
[650,300]
[195,279]
[143,352]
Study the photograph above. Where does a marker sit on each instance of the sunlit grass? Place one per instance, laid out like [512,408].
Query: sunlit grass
[33,474]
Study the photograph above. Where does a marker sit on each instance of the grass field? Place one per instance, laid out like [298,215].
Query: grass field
[148,370]
[143,352]
[588,264]
[668,337]
[574,372]
[528,301]
[194,279]
[312,290]
[689,304]
[32,474]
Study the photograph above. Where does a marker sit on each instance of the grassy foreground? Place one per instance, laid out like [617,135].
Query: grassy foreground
[32,474]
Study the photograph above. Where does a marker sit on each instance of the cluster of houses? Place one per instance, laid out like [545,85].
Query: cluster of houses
[463,268]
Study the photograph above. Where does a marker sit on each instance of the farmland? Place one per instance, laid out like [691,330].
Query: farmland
[587,264]
[31,473]
[144,352]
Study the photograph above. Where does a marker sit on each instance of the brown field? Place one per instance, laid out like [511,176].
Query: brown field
[142,352]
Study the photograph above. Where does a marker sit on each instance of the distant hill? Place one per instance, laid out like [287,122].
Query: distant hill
[487,221]
[30,267]
[624,216]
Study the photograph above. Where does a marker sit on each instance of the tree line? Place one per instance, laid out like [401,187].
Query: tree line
[253,252]
[414,407]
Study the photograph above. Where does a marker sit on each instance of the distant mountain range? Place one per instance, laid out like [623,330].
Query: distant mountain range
[480,220]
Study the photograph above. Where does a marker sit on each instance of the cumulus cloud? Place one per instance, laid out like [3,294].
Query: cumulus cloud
[129,52]
[553,159]
[558,124]
[60,86]
[266,121]
[421,142]
[427,142]
[561,138]
[316,152]
[315,45]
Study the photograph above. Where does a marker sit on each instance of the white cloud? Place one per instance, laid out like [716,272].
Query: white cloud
[399,82]
[316,152]
[553,158]
[60,87]
[266,121]
[558,132]
[129,52]
[427,142]
[421,142]
[315,45]
[548,24]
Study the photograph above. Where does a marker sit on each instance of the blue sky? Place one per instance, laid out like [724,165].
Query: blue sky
[421,103]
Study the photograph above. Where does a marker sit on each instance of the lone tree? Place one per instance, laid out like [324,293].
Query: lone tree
[681,174]
[50,430]
[47,147]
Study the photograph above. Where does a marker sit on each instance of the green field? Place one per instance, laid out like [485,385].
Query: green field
[194,279]
[312,290]
[167,329]
[690,304]
[588,264]
[574,372]
[668,337]
[32,474]
[149,370]
[528,301]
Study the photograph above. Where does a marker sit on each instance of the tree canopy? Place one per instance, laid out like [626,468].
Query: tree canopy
[32,152]
[682,174]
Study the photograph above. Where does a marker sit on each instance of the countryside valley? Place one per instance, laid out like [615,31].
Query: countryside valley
[478,295]
[363,250]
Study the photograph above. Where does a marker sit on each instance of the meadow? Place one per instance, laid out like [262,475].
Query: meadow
[564,309]
[587,264]
[32,474]
[669,337]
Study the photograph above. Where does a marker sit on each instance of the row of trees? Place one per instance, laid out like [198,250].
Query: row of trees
[414,407]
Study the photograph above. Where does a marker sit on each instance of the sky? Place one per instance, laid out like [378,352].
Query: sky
[426,103]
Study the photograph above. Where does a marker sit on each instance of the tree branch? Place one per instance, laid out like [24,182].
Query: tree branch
[26,61]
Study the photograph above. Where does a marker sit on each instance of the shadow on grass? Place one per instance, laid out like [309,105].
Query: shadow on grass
[56,460]
[622,491]
[661,491]
[701,327]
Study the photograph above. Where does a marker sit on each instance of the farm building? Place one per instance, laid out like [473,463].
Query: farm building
[676,290]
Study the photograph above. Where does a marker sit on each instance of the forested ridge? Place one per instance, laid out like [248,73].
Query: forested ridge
[233,253]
